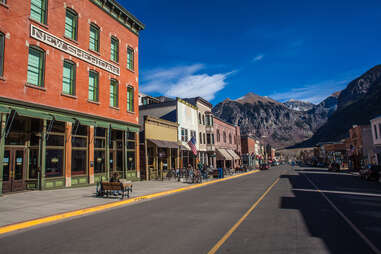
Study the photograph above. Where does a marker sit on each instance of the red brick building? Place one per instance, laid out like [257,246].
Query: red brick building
[68,92]
[227,143]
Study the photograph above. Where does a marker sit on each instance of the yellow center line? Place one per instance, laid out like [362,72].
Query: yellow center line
[57,217]
[236,225]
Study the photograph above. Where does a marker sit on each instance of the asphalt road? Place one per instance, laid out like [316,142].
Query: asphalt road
[345,217]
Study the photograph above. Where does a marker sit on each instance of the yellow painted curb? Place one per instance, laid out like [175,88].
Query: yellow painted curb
[34,222]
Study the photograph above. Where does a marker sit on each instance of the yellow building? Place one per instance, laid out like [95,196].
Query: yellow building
[160,150]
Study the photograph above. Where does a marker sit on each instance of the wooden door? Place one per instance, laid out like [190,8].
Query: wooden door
[13,170]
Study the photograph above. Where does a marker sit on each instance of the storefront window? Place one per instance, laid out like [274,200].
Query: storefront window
[55,145]
[79,150]
[131,161]
[54,162]
[33,164]
[131,143]
[116,150]
[100,150]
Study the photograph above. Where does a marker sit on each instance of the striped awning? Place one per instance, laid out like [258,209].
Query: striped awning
[222,154]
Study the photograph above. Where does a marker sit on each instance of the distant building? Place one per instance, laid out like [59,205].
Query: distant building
[206,153]
[249,149]
[145,99]
[360,146]
[185,115]
[376,138]
[228,144]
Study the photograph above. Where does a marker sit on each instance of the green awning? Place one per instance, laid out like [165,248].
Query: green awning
[84,121]
[62,118]
[102,124]
[4,109]
[119,127]
[33,113]
[133,129]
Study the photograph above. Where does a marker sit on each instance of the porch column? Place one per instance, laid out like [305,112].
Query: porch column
[43,155]
[91,155]
[68,130]
[178,158]
[2,145]
[169,159]
[137,154]
[108,140]
[146,159]
[125,155]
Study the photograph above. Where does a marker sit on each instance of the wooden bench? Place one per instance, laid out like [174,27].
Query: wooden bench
[122,188]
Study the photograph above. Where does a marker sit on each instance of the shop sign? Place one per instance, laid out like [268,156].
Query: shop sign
[54,160]
[70,49]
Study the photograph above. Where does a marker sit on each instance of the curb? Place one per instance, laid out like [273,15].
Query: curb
[75,213]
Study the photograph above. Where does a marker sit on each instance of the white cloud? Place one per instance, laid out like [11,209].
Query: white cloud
[184,81]
[258,58]
[314,93]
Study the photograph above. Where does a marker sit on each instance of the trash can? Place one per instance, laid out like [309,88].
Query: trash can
[220,173]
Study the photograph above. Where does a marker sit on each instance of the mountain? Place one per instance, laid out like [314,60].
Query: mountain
[272,121]
[299,105]
[359,102]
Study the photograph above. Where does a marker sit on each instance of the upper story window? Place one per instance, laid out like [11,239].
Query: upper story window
[36,66]
[130,99]
[94,38]
[184,135]
[224,135]
[3,1]
[114,49]
[2,42]
[93,86]
[68,78]
[218,136]
[230,138]
[199,118]
[379,130]
[130,58]
[38,10]
[200,138]
[114,93]
[71,24]
[203,119]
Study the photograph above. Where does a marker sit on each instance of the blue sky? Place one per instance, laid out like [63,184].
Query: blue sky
[302,50]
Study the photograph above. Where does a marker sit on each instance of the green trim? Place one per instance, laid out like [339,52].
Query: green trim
[65,115]
[84,121]
[32,113]
[102,124]
[133,129]
[119,127]
[4,109]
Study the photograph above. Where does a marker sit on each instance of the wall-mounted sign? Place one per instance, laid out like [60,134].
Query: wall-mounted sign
[54,160]
[66,47]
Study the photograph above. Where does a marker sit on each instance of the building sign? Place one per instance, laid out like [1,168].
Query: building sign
[62,45]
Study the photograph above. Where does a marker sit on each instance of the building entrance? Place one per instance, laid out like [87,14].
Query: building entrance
[13,170]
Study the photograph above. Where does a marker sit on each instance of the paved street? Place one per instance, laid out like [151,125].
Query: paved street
[292,218]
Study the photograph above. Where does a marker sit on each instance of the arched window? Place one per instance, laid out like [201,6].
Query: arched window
[224,134]
[218,136]
[203,119]
[230,138]
[199,118]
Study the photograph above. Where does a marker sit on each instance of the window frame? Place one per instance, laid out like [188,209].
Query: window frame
[72,77]
[97,29]
[2,54]
[130,100]
[74,33]
[95,91]
[44,12]
[115,100]
[130,58]
[115,40]
[41,76]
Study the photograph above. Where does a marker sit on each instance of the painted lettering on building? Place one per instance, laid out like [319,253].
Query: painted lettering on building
[70,49]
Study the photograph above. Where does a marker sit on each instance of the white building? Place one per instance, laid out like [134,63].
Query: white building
[375,124]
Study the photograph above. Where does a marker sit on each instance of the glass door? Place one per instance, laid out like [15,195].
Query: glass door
[13,173]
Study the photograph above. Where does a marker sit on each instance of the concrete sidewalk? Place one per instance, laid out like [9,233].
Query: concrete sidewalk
[25,206]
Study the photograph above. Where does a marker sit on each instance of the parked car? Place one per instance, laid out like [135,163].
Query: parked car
[370,173]
[264,166]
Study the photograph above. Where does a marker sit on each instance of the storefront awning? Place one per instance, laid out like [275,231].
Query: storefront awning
[222,154]
[4,109]
[164,144]
[33,113]
[233,154]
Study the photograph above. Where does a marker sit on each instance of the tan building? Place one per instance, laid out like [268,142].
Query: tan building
[159,148]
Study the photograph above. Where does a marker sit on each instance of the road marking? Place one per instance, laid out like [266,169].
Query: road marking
[57,217]
[342,192]
[345,218]
[236,225]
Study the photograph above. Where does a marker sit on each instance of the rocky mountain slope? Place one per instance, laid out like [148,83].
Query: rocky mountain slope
[273,121]
[357,104]
[299,105]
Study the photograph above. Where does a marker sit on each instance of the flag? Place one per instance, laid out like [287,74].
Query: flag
[192,145]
